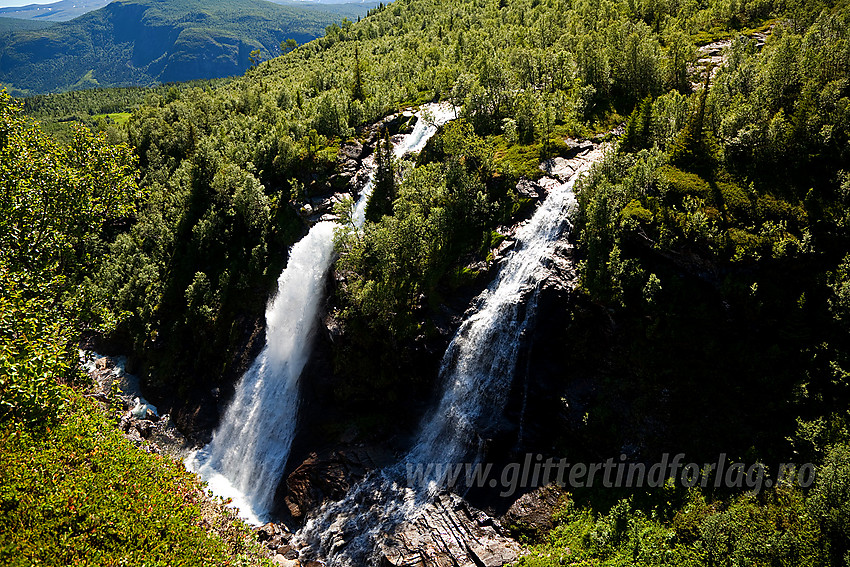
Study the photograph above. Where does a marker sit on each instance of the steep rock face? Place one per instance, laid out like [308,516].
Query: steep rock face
[198,413]
[449,532]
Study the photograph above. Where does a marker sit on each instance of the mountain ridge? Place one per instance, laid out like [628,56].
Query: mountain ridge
[60,11]
[144,42]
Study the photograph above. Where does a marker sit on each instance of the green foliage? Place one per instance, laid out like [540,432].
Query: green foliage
[779,527]
[56,200]
[398,263]
[34,343]
[637,134]
[714,239]
[695,148]
[57,213]
[14,24]
[58,112]
[74,490]
[720,257]
[357,92]
[79,493]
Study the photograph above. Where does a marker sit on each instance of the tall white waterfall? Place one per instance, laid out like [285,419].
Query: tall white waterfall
[477,370]
[479,365]
[245,459]
[248,452]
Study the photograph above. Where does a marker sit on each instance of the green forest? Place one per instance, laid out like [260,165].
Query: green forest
[712,246]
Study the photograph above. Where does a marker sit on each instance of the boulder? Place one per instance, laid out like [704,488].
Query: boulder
[401,123]
[558,167]
[531,514]
[528,188]
[577,146]
[319,479]
[284,562]
[266,532]
[351,151]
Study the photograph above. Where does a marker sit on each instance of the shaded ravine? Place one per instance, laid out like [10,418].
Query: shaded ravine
[476,371]
[249,449]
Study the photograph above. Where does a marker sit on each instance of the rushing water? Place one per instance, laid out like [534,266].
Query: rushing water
[477,370]
[479,365]
[248,452]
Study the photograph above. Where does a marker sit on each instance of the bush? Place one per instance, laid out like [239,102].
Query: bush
[79,493]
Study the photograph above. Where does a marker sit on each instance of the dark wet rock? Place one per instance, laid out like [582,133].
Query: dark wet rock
[352,151]
[140,423]
[401,123]
[577,147]
[321,208]
[531,514]
[528,188]
[326,477]
[266,532]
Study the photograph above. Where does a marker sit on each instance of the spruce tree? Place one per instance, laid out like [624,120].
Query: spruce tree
[381,201]
[638,132]
[695,148]
[357,87]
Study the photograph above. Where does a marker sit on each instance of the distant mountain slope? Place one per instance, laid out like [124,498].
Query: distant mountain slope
[65,10]
[61,11]
[142,42]
[13,24]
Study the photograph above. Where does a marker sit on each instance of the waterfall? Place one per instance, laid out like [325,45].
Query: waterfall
[480,362]
[248,452]
[245,459]
[476,372]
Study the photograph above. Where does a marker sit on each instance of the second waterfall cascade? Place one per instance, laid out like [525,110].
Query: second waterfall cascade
[477,371]
[248,452]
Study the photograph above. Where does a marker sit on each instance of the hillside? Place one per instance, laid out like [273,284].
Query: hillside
[65,10]
[142,42]
[60,11]
[12,24]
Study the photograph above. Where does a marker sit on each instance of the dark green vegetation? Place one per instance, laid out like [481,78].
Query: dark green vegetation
[142,42]
[716,237]
[783,527]
[713,243]
[58,113]
[74,491]
[720,247]
[12,24]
